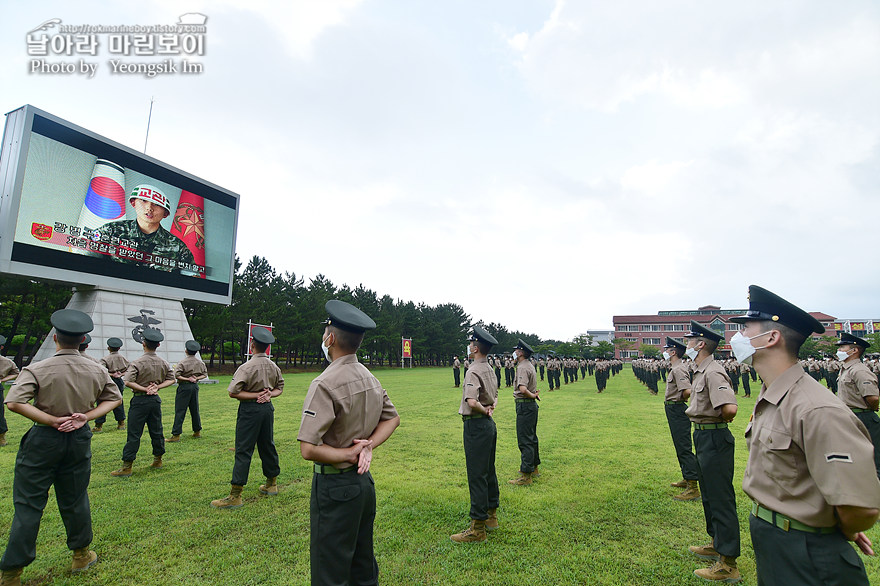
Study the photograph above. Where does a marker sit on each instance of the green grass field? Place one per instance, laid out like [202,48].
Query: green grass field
[601,513]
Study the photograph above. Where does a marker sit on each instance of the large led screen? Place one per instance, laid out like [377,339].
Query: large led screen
[82,209]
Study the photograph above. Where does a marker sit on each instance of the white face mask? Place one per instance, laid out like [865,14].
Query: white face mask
[692,353]
[666,355]
[742,347]
[326,351]
[842,356]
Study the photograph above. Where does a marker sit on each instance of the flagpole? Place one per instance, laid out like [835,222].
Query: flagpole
[149,118]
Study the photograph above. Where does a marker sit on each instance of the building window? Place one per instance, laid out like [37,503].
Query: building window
[652,341]
[679,328]
[733,327]
[650,328]
[627,328]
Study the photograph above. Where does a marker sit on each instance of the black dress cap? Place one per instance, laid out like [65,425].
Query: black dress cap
[767,306]
[481,335]
[193,346]
[698,331]
[670,343]
[153,335]
[524,346]
[850,339]
[114,343]
[71,322]
[262,335]
[347,317]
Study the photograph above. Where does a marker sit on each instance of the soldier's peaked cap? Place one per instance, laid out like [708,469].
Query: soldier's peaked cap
[87,340]
[193,346]
[481,335]
[698,331]
[347,317]
[850,339]
[523,345]
[670,343]
[114,343]
[261,335]
[71,322]
[767,306]
[153,335]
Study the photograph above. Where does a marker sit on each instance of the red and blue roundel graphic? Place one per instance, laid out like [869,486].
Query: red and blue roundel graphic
[105,197]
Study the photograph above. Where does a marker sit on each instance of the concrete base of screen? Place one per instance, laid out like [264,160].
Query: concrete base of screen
[124,316]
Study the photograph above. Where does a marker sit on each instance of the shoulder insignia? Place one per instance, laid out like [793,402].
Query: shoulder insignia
[310,413]
[837,457]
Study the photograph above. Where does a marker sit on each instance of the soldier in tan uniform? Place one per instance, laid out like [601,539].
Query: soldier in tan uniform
[56,451]
[857,387]
[188,372]
[678,390]
[116,364]
[810,472]
[346,415]
[8,371]
[713,406]
[480,436]
[254,384]
[525,397]
[456,371]
[145,376]
[84,346]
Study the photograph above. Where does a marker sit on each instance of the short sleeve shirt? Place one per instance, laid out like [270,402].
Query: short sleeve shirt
[856,382]
[256,374]
[525,376]
[456,363]
[677,381]
[114,362]
[63,384]
[480,384]
[148,368]
[807,452]
[7,367]
[710,390]
[344,403]
[190,366]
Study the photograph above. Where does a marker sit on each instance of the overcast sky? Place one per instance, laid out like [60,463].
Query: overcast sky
[544,164]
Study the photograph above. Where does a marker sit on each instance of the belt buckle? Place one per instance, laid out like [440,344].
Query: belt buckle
[786,524]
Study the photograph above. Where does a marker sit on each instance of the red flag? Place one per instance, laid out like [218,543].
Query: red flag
[189,225]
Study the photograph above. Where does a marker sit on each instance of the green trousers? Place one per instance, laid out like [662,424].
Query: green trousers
[48,457]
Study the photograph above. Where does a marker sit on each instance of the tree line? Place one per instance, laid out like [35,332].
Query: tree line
[294,306]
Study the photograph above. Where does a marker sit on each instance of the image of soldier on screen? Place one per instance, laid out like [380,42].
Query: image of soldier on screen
[151,245]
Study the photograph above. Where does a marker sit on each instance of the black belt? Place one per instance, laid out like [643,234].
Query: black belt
[673,402]
[474,416]
[329,469]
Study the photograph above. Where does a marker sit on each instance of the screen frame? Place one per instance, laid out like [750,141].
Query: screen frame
[19,259]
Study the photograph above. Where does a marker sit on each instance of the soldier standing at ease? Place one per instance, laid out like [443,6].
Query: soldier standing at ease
[116,364]
[8,371]
[188,372]
[857,387]
[497,362]
[678,390]
[478,401]
[744,370]
[456,371]
[346,414]
[84,345]
[712,408]
[57,449]
[525,397]
[541,364]
[145,376]
[804,442]
[254,384]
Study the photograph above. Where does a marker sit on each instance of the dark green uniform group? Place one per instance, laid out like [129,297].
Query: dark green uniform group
[65,386]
